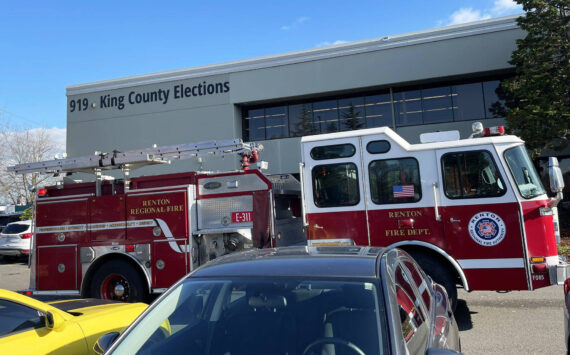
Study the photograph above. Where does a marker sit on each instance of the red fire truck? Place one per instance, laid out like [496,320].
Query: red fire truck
[473,212]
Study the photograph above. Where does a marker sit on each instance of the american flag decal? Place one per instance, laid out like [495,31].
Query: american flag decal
[403,191]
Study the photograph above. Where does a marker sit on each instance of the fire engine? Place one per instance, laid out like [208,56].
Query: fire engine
[472,212]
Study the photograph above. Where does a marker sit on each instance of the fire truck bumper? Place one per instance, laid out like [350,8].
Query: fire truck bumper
[559,273]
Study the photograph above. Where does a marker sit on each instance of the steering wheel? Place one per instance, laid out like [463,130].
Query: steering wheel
[337,341]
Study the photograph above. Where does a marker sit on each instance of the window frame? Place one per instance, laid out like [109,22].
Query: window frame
[420,192]
[444,180]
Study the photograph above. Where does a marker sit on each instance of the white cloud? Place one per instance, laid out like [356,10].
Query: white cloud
[327,43]
[467,15]
[503,7]
[296,23]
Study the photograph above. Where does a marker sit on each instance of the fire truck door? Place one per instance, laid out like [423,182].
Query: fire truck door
[400,194]
[480,214]
[333,191]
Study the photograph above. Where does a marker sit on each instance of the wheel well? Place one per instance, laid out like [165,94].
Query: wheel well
[411,249]
[87,279]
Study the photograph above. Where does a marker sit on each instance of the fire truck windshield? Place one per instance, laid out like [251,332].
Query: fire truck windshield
[524,172]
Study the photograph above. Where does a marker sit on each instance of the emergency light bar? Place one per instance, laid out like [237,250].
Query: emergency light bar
[479,131]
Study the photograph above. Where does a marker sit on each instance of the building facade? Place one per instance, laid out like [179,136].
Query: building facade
[435,80]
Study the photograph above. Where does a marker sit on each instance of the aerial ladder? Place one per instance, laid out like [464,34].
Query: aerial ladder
[134,159]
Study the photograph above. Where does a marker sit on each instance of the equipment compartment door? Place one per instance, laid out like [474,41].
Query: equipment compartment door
[481,218]
[57,268]
[107,218]
[170,261]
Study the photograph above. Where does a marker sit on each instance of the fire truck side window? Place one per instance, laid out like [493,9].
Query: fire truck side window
[335,185]
[333,151]
[470,175]
[395,181]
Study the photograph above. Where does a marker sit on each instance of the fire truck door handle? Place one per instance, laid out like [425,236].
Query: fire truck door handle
[316,226]
[453,220]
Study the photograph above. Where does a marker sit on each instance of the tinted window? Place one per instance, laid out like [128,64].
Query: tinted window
[261,316]
[408,107]
[471,174]
[326,116]
[351,113]
[16,318]
[468,102]
[333,151]
[395,181]
[378,110]
[437,105]
[301,120]
[276,122]
[16,228]
[494,106]
[255,121]
[378,147]
[335,185]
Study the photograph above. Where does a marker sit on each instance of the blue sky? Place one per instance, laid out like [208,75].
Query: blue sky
[47,46]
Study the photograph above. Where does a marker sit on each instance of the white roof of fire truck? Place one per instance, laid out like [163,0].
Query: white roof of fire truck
[438,140]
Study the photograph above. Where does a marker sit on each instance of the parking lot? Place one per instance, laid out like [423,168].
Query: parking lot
[489,322]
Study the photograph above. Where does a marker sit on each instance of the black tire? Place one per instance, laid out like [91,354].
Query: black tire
[440,274]
[118,273]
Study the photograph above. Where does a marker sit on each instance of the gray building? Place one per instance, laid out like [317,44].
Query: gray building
[441,79]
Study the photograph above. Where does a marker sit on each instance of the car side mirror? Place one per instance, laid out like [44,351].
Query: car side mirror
[49,319]
[555,175]
[104,343]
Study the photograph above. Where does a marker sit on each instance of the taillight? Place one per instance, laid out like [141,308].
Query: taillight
[26,236]
[42,192]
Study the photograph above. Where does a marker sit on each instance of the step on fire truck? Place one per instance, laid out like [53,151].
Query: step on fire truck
[473,212]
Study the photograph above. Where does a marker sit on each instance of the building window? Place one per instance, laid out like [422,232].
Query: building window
[335,185]
[395,181]
[464,101]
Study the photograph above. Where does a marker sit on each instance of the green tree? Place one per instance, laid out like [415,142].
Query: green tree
[538,97]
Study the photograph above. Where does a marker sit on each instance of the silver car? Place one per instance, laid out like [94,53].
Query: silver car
[16,240]
[297,300]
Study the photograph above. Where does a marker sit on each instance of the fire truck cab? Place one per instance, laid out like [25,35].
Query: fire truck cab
[471,211]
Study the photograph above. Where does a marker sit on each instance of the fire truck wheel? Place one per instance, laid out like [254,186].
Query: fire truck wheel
[118,280]
[439,274]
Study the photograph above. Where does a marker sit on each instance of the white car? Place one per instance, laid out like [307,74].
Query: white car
[16,240]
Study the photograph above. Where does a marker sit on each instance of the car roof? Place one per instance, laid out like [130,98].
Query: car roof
[322,261]
[26,222]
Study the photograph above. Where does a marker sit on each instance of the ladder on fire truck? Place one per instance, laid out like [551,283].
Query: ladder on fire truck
[134,159]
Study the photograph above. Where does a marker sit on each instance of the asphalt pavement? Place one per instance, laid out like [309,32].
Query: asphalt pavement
[518,322]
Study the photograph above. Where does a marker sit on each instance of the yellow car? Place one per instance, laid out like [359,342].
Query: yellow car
[29,326]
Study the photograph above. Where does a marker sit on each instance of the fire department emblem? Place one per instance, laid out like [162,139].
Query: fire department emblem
[487,229]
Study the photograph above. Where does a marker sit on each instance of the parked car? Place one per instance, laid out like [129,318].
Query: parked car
[6,218]
[29,326]
[567,314]
[16,240]
[297,300]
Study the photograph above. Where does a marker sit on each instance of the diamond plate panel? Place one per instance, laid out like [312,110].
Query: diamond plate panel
[217,212]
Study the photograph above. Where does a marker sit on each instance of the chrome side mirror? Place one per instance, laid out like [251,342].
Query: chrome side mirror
[555,175]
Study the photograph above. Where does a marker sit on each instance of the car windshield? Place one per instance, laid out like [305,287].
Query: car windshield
[524,172]
[15,228]
[262,316]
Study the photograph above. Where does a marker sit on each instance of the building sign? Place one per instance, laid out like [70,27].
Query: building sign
[162,95]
